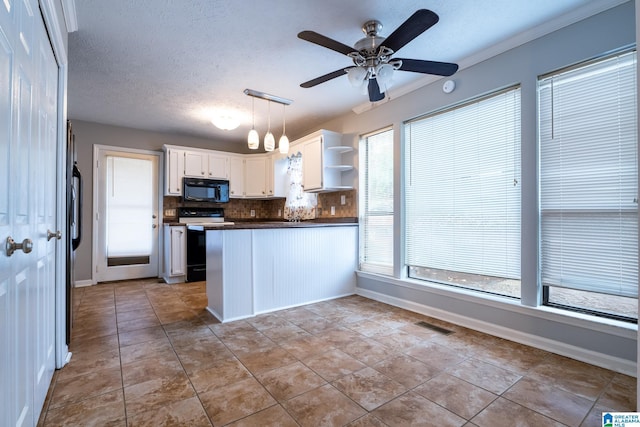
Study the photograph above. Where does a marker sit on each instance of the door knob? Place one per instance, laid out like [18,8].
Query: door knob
[11,246]
[51,235]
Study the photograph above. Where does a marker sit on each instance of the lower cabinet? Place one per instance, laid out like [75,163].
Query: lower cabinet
[175,253]
[246,276]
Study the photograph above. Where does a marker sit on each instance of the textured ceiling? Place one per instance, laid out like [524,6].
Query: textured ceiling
[169,66]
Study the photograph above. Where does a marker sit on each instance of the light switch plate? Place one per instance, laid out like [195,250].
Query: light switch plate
[343,200]
[169,212]
[253,213]
[333,210]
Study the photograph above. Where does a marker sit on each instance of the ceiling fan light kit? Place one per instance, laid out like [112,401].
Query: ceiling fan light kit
[372,56]
[253,139]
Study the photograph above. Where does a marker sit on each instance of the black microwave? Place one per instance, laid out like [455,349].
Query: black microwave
[205,190]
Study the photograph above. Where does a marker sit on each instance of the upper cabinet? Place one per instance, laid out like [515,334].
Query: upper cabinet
[195,164]
[236,176]
[218,166]
[255,176]
[322,161]
[173,171]
[203,164]
[261,175]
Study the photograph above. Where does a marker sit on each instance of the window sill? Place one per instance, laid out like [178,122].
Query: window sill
[609,326]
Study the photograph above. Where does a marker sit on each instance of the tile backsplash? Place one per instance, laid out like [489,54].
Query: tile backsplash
[269,209]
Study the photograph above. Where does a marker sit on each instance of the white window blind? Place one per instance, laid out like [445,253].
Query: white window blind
[129,207]
[588,177]
[462,188]
[376,203]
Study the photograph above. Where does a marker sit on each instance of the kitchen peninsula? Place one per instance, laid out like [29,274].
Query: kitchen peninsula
[258,267]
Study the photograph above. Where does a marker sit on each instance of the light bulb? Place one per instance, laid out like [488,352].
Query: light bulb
[283,144]
[384,75]
[357,76]
[253,139]
[269,142]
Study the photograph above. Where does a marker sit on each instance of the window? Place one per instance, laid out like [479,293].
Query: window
[462,195]
[376,202]
[588,187]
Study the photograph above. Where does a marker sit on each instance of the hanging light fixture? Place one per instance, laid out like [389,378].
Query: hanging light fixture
[283,143]
[269,140]
[253,139]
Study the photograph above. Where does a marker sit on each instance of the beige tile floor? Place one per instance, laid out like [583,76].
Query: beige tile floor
[148,354]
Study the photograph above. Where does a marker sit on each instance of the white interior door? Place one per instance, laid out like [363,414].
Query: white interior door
[28,129]
[127,216]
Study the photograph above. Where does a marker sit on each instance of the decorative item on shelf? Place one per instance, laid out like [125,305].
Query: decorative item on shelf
[269,140]
[253,138]
[283,144]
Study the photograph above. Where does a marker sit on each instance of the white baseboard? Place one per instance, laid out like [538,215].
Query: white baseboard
[588,356]
[83,283]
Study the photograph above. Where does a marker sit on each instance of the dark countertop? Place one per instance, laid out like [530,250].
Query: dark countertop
[243,224]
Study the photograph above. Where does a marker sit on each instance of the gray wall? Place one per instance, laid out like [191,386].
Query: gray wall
[587,39]
[87,135]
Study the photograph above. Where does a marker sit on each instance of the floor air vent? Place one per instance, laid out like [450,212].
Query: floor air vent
[435,328]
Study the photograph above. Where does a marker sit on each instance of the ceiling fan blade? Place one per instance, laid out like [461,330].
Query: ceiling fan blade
[416,24]
[374,91]
[324,41]
[325,78]
[428,67]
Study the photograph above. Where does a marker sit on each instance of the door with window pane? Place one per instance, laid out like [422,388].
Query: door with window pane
[127,215]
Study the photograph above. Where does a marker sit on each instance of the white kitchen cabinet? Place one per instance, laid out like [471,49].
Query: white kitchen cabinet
[236,177]
[249,175]
[218,166]
[277,177]
[175,253]
[255,176]
[196,164]
[322,162]
[174,171]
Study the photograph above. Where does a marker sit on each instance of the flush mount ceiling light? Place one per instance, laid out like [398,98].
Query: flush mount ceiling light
[225,122]
[373,66]
[269,141]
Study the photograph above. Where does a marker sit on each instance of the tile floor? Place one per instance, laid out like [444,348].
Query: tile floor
[148,354]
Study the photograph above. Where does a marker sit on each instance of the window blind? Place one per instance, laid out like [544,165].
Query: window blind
[588,177]
[376,207]
[462,188]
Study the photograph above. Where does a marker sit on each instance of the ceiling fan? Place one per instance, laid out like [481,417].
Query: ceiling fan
[373,66]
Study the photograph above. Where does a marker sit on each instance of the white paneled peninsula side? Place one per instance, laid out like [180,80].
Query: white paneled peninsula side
[253,269]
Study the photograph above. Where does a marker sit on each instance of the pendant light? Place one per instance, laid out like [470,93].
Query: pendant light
[269,140]
[283,143]
[253,139]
